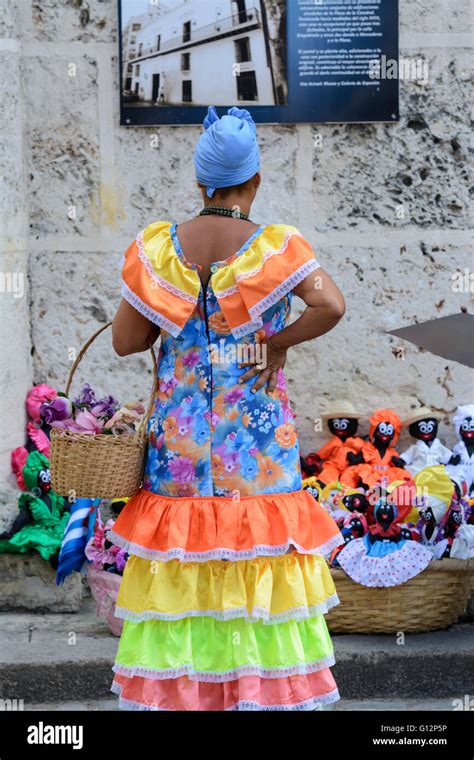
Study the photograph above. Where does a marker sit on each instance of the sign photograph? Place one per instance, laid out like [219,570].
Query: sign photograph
[289,60]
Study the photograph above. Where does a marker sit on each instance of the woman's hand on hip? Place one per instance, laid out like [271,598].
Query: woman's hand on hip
[266,371]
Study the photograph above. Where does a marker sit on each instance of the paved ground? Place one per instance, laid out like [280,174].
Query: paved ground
[52,659]
[344,705]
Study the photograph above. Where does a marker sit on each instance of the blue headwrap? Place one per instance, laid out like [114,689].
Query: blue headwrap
[227,154]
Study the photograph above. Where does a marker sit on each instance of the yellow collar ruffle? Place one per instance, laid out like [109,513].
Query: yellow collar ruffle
[161,285]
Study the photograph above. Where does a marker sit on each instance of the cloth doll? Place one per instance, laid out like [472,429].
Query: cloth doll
[342,422]
[352,526]
[330,498]
[450,524]
[463,543]
[36,429]
[311,484]
[462,464]
[435,492]
[427,449]
[385,556]
[42,517]
[378,459]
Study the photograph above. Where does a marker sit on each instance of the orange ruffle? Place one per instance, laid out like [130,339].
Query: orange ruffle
[275,264]
[199,529]
[167,295]
[246,693]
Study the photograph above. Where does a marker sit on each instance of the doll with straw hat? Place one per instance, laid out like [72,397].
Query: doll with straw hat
[427,451]
[342,421]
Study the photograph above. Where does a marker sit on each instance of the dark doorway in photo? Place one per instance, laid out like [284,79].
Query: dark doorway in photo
[187,91]
[155,87]
[247,86]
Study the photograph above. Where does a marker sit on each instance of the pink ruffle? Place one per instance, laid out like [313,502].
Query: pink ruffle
[247,693]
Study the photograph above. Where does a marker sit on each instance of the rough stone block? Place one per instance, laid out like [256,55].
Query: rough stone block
[74,21]
[8,16]
[363,174]
[385,288]
[63,137]
[86,294]
[441,16]
[27,582]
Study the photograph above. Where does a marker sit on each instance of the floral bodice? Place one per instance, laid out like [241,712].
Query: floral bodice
[210,435]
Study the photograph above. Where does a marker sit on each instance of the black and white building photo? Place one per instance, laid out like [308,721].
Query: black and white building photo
[198,52]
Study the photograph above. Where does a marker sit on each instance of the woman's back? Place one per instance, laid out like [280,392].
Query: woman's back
[206,240]
[233,536]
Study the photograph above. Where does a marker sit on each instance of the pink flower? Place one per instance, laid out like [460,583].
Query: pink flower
[39,438]
[38,395]
[182,470]
[85,422]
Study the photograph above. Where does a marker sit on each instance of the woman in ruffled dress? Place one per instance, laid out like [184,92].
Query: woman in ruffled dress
[223,597]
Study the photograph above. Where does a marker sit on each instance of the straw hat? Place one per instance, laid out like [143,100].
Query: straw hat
[341,409]
[423,413]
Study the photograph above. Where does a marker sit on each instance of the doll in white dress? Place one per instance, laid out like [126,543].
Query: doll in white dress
[462,465]
[427,450]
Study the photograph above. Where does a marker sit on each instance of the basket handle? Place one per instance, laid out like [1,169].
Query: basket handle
[144,420]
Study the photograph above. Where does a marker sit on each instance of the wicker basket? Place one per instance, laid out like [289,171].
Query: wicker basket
[433,599]
[99,466]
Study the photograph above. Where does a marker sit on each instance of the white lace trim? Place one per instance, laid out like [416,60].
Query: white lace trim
[268,255]
[148,312]
[247,328]
[284,288]
[258,613]
[228,292]
[302,669]
[243,705]
[261,550]
[156,278]
[272,298]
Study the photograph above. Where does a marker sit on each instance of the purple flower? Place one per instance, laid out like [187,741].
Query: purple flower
[191,359]
[105,407]
[86,396]
[121,560]
[234,396]
[58,409]
[182,470]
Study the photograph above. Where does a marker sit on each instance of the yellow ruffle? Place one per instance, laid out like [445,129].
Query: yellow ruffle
[164,287]
[272,589]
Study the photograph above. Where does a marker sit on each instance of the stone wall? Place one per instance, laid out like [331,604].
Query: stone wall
[78,187]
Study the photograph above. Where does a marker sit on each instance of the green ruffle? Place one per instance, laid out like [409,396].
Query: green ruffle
[209,649]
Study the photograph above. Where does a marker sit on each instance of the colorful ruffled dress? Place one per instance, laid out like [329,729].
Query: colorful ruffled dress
[224,594]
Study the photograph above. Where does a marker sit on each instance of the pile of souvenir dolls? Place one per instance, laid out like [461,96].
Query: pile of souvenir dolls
[66,532]
[396,511]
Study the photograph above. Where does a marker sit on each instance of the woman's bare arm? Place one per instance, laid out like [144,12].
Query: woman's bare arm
[131,332]
[325,306]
